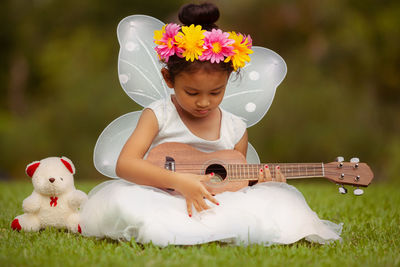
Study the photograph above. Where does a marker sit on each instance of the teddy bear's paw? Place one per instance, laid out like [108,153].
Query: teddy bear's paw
[31,204]
[27,222]
[72,223]
[15,225]
[77,199]
[75,229]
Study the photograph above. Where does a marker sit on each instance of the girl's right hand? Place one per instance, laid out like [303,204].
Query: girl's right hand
[194,191]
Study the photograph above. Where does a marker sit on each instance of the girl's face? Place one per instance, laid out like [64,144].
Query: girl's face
[198,93]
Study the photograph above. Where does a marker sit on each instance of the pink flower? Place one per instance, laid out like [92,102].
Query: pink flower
[248,40]
[217,46]
[166,41]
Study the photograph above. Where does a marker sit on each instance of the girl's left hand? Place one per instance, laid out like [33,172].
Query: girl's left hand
[265,175]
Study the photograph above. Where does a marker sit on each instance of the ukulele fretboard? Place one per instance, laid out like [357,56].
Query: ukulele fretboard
[289,170]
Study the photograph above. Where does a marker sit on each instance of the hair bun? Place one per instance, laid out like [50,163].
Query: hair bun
[204,14]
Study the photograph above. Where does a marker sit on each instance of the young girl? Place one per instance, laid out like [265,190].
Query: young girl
[135,206]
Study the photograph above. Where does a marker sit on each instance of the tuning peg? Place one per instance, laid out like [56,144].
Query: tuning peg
[339,159]
[342,190]
[356,161]
[358,191]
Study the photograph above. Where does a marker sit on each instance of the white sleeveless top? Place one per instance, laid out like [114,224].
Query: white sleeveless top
[172,129]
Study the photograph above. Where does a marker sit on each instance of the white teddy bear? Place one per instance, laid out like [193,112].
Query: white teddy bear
[54,200]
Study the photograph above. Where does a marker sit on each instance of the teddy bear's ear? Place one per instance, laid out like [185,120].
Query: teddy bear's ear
[31,168]
[68,163]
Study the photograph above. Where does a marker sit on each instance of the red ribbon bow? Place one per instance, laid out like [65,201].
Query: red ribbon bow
[53,201]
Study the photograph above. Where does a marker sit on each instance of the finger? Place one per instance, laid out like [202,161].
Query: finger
[276,177]
[203,205]
[267,173]
[212,199]
[279,175]
[197,206]
[207,177]
[261,176]
[189,207]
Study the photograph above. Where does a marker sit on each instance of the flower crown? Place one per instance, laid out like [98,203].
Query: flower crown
[191,42]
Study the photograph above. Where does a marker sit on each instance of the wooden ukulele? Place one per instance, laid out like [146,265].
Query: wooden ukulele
[233,173]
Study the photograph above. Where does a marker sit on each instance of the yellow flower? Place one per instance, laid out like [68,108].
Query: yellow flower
[191,40]
[241,50]
[158,35]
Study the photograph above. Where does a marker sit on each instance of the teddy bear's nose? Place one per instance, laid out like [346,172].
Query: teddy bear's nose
[52,180]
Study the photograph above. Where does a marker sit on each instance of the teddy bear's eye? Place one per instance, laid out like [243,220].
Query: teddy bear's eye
[61,179]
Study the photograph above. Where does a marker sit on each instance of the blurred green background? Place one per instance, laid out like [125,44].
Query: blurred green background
[60,88]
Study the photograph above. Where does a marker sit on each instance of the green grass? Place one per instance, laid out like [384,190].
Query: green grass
[371,236]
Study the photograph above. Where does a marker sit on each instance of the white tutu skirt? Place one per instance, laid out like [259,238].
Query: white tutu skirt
[267,213]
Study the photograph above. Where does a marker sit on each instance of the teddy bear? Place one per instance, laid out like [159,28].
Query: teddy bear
[54,200]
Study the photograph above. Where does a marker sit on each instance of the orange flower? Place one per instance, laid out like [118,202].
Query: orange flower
[241,48]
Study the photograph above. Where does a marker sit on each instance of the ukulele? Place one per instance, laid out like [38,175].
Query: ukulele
[231,172]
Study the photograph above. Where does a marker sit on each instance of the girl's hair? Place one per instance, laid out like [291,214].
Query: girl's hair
[205,15]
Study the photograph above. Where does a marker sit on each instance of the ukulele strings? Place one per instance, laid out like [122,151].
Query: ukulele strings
[250,169]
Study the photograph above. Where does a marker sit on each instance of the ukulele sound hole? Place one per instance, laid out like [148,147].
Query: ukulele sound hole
[218,170]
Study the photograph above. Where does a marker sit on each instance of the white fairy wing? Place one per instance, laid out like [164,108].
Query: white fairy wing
[250,95]
[139,69]
[110,143]
[252,156]
[139,73]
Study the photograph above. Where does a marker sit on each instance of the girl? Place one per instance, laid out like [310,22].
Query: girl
[197,70]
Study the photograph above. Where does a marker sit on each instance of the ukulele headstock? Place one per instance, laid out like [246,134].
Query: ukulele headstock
[349,173]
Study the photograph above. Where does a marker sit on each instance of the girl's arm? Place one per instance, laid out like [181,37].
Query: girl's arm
[130,164]
[241,146]
[132,167]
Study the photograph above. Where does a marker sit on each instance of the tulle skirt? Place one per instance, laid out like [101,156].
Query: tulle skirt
[266,213]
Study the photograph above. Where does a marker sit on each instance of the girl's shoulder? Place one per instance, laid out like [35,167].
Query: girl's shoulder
[161,109]
[161,103]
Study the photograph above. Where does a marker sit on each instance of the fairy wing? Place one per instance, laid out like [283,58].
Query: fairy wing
[140,77]
[139,72]
[111,141]
[250,95]
[138,64]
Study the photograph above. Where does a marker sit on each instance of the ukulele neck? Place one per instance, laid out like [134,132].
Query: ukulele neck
[289,170]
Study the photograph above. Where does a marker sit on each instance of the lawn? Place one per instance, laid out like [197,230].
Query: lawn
[371,236]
